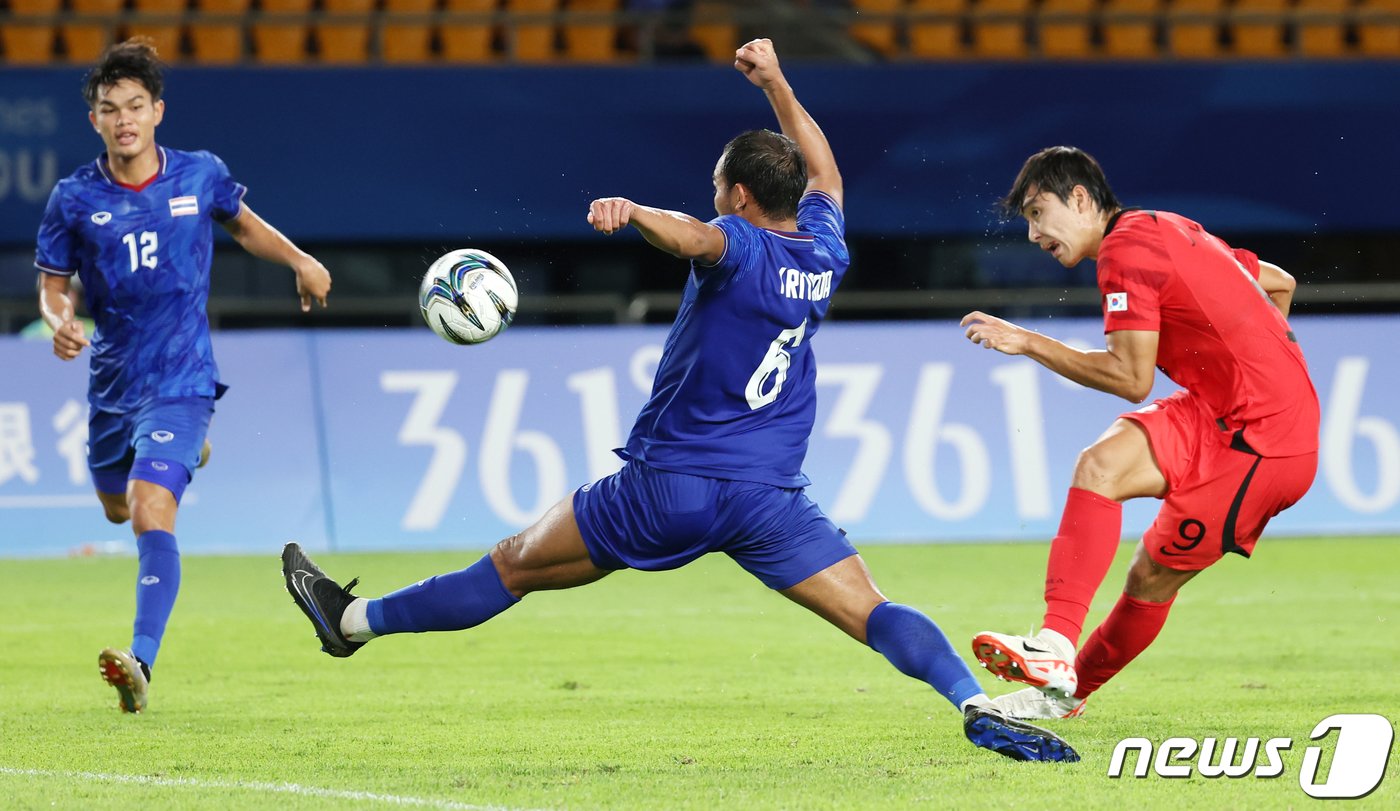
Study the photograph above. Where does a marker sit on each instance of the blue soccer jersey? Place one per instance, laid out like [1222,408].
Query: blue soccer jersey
[735,393]
[143,255]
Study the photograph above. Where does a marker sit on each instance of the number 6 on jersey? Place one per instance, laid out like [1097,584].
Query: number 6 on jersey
[775,363]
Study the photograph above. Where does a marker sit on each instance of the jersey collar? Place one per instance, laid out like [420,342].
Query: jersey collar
[1112,221]
[107,172]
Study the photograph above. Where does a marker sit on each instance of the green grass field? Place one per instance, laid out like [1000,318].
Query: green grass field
[693,689]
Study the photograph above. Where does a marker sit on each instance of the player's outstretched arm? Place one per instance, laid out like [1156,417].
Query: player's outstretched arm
[265,242]
[56,308]
[673,232]
[1278,285]
[1126,368]
[758,61]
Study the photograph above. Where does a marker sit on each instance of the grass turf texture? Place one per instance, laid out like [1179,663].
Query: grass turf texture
[692,689]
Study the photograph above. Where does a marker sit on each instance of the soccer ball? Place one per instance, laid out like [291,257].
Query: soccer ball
[468,296]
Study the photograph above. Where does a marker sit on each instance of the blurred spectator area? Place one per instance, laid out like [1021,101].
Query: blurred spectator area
[350,32]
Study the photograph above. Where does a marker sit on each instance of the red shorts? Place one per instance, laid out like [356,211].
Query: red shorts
[1220,494]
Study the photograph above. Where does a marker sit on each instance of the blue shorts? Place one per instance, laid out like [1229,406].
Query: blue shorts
[654,520]
[159,443]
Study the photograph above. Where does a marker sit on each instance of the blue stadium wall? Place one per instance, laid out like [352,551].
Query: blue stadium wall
[381,439]
[446,156]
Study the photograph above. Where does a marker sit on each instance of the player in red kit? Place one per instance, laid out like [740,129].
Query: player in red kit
[1235,447]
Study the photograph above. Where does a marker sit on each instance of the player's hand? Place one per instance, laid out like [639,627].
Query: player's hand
[69,340]
[994,333]
[313,283]
[759,63]
[610,214]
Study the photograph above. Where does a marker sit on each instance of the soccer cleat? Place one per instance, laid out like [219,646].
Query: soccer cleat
[1030,704]
[988,728]
[1031,660]
[320,598]
[121,670]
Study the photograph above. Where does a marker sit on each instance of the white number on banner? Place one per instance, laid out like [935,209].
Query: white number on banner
[1340,428]
[499,444]
[926,433]
[597,394]
[420,427]
[1025,435]
[776,364]
[858,382]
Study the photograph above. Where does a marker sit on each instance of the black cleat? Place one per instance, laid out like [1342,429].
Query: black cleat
[988,728]
[320,598]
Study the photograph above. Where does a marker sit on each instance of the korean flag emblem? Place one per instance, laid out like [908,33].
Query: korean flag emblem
[1117,302]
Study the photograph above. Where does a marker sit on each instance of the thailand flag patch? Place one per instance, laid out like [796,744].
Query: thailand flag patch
[184,206]
[1117,302]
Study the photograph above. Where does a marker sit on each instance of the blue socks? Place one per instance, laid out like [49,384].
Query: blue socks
[447,602]
[157,583]
[917,647]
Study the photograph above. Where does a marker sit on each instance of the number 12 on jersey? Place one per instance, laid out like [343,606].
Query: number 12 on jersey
[143,254]
[774,364]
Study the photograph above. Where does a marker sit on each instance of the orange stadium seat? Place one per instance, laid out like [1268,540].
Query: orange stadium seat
[468,42]
[1066,39]
[165,35]
[84,41]
[713,29]
[936,39]
[1133,36]
[527,40]
[282,42]
[1194,28]
[1259,38]
[344,41]
[406,41]
[1003,38]
[218,43]
[26,44]
[874,25]
[591,41]
[1319,37]
[1376,37]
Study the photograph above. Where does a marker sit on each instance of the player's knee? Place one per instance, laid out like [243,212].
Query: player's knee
[1095,471]
[116,513]
[509,559]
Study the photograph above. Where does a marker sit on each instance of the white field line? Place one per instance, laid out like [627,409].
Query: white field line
[274,788]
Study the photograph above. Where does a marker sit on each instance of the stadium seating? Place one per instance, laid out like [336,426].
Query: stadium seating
[713,30]
[1378,37]
[214,42]
[1318,36]
[999,29]
[1065,39]
[165,35]
[401,42]
[26,44]
[1194,28]
[344,41]
[591,41]
[1258,38]
[470,41]
[84,41]
[936,39]
[878,34]
[531,41]
[1129,32]
[278,42]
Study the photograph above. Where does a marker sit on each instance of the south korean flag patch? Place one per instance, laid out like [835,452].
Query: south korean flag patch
[1116,302]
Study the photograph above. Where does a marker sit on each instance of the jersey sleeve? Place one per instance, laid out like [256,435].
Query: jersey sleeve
[741,250]
[225,192]
[1248,260]
[819,215]
[1130,279]
[54,251]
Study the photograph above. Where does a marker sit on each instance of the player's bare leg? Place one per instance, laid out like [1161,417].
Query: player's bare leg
[845,595]
[550,554]
[114,507]
[1118,466]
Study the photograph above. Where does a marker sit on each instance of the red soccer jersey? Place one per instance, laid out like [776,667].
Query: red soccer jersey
[1219,336]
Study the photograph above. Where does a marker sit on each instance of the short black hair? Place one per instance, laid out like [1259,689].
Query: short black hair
[1058,170]
[135,59]
[772,168]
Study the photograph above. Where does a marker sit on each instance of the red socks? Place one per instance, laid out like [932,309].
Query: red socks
[1090,529]
[1127,631]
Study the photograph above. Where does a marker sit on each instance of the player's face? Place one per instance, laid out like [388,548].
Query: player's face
[1066,229]
[126,118]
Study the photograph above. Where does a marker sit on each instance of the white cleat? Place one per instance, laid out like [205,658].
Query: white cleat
[1042,661]
[1030,704]
[121,670]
